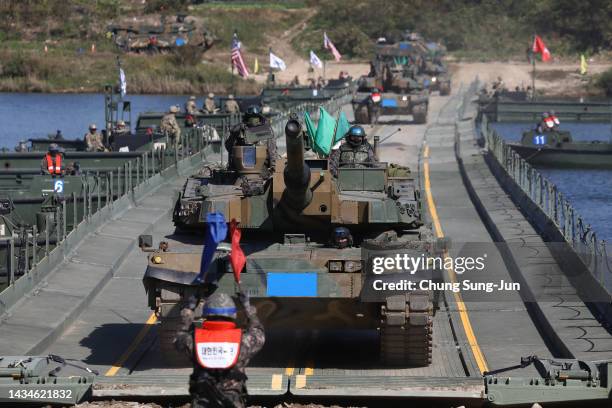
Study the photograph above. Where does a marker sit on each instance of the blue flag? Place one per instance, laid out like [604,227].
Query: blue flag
[216,232]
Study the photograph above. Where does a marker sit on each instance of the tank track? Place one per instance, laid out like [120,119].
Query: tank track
[406,333]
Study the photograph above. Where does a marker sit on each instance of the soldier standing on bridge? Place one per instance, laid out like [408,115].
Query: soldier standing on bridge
[170,126]
[220,351]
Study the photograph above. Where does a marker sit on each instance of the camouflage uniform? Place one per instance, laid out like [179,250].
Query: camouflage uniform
[349,155]
[231,106]
[221,388]
[190,107]
[94,142]
[170,126]
[209,105]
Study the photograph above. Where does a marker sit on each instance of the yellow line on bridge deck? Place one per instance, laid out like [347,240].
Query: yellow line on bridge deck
[463,313]
[126,355]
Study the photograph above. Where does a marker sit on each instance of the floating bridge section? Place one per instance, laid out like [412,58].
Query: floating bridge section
[84,299]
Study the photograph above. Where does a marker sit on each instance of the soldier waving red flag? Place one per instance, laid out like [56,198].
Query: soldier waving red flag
[237,258]
[540,48]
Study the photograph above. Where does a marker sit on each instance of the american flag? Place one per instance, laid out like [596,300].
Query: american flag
[237,60]
[330,46]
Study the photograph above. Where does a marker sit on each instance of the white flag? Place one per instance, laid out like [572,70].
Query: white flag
[314,60]
[276,62]
[122,82]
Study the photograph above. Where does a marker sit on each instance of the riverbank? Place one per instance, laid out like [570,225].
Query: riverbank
[60,71]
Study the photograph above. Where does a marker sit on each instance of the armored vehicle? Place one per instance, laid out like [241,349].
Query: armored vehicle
[305,232]
[403,92]
[556,148]
[160,38]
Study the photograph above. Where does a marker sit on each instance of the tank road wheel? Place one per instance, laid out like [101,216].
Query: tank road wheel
[419,113]
[406,335]
[362,114]
[445,88]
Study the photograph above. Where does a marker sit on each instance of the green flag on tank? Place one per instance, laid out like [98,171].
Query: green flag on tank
[342,127]
[310,127]
[322,142]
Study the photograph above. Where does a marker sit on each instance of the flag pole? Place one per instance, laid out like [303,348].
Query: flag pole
[270,68]
[233,84]
[324,66]
[533,71]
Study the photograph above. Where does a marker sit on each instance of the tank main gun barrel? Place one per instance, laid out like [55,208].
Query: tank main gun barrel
[297,173]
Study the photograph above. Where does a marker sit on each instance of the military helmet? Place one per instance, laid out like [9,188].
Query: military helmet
[342,238]
[174,109]
[230,96]
[544,115]
[121,123]
[192,98]
[356,131]
[93,126]
[355,135]
[211,95]
[219,304]
[53,147]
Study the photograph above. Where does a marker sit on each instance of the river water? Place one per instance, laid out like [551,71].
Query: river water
[589,191]
[25,116]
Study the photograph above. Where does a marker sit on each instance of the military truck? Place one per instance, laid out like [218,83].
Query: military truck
[305,231]
[168,35]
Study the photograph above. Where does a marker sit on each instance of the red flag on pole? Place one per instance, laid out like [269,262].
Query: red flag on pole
[237,258]
[540,48]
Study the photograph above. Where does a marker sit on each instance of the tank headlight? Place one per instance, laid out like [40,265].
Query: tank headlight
[433,79]
[157,259]
[335,266]
[404,98]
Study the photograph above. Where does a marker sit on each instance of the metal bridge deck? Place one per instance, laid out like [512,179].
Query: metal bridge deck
[116,334]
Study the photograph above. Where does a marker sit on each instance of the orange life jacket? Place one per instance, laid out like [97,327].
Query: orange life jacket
[54,168]
[217,345]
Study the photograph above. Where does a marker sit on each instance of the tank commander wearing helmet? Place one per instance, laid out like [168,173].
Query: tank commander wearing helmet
[190,105]
[170,127]
[219,350]
[53,162]
[231,106]
[209,104]
[355,151]
[93,140]
[253,121]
